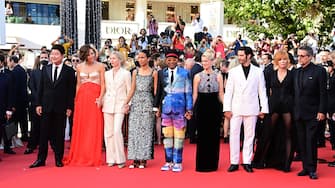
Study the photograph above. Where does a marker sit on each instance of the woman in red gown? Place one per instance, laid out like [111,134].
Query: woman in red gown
[87,132]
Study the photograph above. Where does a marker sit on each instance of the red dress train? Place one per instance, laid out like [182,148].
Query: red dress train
[87,131]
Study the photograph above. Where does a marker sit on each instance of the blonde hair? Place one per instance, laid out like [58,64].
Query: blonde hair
[118,55]
[209,53]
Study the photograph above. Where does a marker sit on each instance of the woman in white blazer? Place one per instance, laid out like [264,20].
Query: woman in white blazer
[118,84]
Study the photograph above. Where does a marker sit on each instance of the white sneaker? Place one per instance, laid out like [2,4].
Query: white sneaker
[177,167]
[166,167]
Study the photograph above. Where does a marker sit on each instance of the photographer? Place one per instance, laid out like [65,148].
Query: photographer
[219,47]
[197,23]
[164,43]
[143,40]
[153,28]
[292,44]
[106,50]
[134,47]
[203,46]
[178,41]
[65,41]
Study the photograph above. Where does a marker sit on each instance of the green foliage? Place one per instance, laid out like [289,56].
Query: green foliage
[273,17]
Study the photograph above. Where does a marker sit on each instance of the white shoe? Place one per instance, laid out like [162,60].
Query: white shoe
[166,167]
[177,167]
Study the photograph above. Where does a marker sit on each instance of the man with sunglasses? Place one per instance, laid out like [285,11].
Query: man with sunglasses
[310,108]
[75,61]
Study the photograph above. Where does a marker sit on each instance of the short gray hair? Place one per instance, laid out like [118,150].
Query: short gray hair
[308,49]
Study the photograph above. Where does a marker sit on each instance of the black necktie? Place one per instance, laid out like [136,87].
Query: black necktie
[55,74]
[172,77]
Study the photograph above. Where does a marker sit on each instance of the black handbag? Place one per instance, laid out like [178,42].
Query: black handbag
[10,129]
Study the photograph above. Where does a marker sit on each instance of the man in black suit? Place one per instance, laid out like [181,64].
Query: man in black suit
[21,95]
[191,124]
[310,108]
[54,103]
[33,84]
[6,102]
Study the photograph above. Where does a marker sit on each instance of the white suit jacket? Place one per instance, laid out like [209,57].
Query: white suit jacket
[117,89]
[246,96]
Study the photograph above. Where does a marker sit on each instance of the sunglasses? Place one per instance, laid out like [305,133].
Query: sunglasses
[302,56]
[75,60]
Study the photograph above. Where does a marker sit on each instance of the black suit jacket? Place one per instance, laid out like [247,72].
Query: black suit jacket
[194,70]
[20,87]
[310,96]
[59,96]
[6,93]
[33,84]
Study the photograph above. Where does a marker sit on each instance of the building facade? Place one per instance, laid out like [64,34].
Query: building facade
[38,21]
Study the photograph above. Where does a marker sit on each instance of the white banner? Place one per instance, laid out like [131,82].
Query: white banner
[115,29]
[213,16]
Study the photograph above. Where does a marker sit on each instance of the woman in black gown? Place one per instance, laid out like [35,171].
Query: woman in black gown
[208,97]
[275,146]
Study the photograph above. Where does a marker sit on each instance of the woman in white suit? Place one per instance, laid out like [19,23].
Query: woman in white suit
[118,84]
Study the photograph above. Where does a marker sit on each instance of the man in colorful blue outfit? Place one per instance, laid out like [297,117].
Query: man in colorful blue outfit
[174,99]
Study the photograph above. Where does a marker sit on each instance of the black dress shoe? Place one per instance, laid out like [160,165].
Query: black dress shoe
[59,164]
[37,163]
[28,151]
[303,173]
[313,176]
[233,168]
[331,164]
[9,151]
[248,168]
[322,161]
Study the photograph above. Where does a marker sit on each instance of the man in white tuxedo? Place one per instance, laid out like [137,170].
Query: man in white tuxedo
[245,99]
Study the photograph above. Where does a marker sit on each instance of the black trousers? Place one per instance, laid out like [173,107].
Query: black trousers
[7,141]
[307,142]
[53,130]
[35,129]
[321,132]
[21,118]
[331,124]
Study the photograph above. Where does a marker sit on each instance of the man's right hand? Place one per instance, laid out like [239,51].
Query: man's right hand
[39,110]
[228,114]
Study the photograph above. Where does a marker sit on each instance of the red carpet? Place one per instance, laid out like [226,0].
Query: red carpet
[14,172]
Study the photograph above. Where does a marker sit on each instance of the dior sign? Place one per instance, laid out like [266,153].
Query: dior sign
[118,30]
[115,29]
